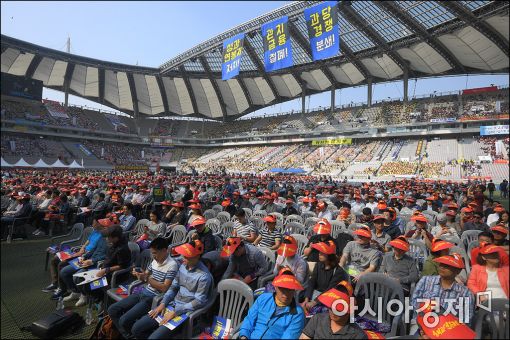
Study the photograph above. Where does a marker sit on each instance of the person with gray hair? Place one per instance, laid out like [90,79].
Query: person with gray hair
[442,229]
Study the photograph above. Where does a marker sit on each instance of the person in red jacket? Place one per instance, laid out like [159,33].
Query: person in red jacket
[486,238]
[489,274]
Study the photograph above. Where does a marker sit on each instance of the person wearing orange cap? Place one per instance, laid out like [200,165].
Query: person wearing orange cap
[380,239]
[195,211]
[173,214]
[399,265]
[438,248]
[244,228]
[278,315]
[442,229]
[500,233]
[204,234]
[269,236]
[289,208]
[322,211]
[420,229]
[444,287]
[269,205]
[190,291]
[476,223]
[331,325]
[322,233]
[288,257]
[393,225]
[489,274]
[451,221]
[346,216]
[358,256]
[326,274]
[228,206]
[246,262]
[497,214]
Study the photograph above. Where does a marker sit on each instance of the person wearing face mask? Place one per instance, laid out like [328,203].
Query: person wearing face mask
[358,257]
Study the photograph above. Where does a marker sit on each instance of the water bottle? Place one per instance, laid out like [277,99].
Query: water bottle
[60,303]
[88,316]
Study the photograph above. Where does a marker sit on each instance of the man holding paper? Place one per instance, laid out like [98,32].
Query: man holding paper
[189,291]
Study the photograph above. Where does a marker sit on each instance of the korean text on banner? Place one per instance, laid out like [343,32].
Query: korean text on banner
[337,141]
[323,30]
[494,130]
[277,45]
[232,52]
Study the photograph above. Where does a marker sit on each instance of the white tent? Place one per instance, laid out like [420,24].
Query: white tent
[75,165]
[40,164]
[58,164]
[22,162]
[4,164]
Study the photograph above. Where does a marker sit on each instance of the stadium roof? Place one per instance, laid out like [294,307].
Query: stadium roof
[380,41]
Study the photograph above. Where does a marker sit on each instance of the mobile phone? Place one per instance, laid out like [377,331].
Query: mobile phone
[138,270]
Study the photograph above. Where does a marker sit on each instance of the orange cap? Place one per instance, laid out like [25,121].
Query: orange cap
[500,228]
[106,222]
[327,248]
[400,243]
[489,249]
[438,245]
[286,279]
[198,221]
[453,260]
[323,227]
[288,247]
[451,213]
[329,297]
[270,219]
[195,206]
[419,218]
[191,249]
[230,246]
[363,231]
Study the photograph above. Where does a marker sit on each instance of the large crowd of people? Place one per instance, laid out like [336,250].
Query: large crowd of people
[380,224]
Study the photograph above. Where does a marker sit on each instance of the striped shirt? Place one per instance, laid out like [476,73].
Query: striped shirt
[269,238]
[244,230]
[161,272]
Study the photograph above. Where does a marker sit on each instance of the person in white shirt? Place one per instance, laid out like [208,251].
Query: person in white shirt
[493,218]
[323,212]
[442,229]
[306,205]
[357,206]
[371,203]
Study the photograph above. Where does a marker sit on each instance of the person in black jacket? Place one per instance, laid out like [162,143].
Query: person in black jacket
[326,274]
[289,208]
[204,234]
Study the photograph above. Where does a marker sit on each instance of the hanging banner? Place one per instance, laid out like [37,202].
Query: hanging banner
[323,31]
[277,45]
[337,141]
[494,130]
[232,51]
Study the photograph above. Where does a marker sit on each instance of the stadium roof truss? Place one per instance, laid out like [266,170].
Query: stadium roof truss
[379,41]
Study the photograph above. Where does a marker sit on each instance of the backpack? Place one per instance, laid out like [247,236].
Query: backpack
[105,330]
[56,324]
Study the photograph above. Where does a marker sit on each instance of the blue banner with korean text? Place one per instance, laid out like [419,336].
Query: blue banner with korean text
[232,51]
[323,30]
[277,45]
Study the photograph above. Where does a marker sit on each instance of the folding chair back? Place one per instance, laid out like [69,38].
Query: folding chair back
[236,298]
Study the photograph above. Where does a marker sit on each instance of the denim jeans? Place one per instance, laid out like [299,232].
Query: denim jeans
[66,277]
[148,328]
[127,311]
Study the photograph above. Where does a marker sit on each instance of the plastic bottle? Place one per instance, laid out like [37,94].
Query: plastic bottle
[60,303]
[88,316]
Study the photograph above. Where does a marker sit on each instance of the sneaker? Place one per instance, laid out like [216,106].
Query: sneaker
[72,296]
[57,294]
[37,231]
[82,301]
[51,288]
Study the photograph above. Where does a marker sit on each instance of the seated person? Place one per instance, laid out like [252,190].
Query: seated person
[326,274]
[436,287]
[278,315]
[287,257]
[158,277]
[486,238]
[442,229]
[204,234]
[420,229]
[216,264]
[489,274]
[380,239]
[127,220]
[268,236]
[393,225]
[289,208]
[118,257]
[400,266]
[243,228]
[359,256]
[438,248]
[322,233]
[476,223]
[246,262]
[331,325]
[189,291]
[23,209]
[500,233]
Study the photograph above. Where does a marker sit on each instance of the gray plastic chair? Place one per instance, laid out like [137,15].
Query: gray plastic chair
[469,236]
[497,324]
[302,241]
[337,227]
[223,217]
[472,246]
[214,225]
[257,222]
[137,231]
[419,251]
[236,298]
[294,228]
[271,260]
[259,213]
[279,218]
[294,218]
[307,214]
[178,234]
[431,217]
[219,242]
[76,236]
[248,212]
[226,229]
[310,222]
[210,213]
[452,239]
[218,208]
[375,285]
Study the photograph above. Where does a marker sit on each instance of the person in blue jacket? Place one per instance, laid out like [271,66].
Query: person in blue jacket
[276,315]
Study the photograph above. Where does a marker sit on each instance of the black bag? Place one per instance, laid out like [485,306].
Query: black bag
[56,324]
